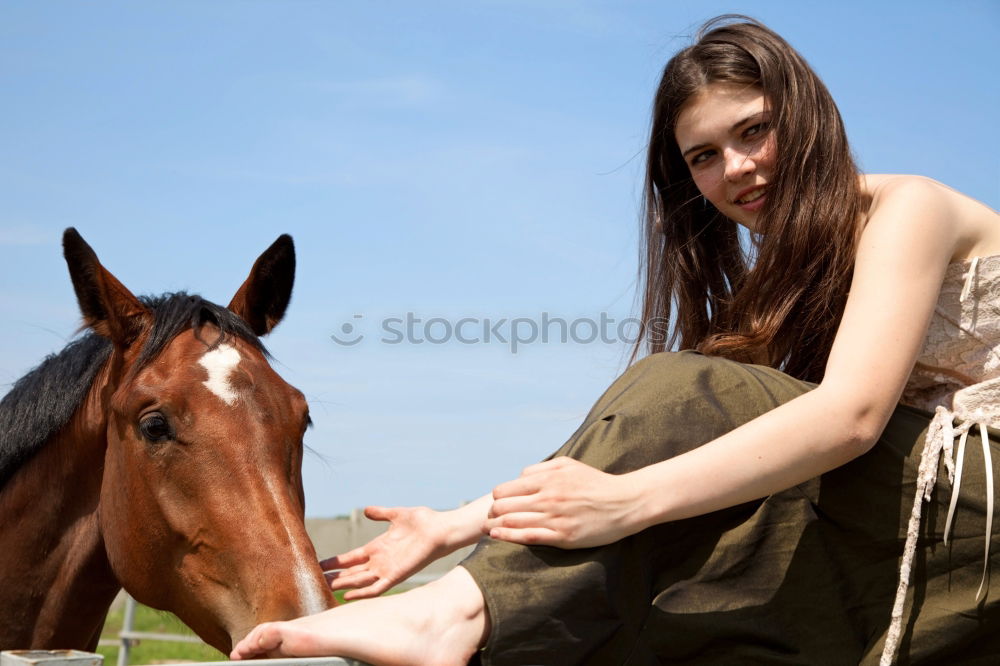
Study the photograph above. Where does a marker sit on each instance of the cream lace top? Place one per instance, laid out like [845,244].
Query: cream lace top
[962,348]
[957,376]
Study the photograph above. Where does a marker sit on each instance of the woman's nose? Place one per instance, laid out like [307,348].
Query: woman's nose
[738,164]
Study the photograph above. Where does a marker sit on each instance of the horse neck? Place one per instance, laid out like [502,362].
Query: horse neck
[55,581]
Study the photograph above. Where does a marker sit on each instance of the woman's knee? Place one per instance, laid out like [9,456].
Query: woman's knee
[678,374]
[693,383]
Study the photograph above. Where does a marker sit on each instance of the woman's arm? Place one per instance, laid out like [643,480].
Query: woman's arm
[904,250]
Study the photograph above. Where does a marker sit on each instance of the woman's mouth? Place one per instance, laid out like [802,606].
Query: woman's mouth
[751,196]
[751,200]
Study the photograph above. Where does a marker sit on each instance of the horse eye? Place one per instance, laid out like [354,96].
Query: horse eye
[154,427]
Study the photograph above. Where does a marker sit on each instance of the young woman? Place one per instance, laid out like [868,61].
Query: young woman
[757,499]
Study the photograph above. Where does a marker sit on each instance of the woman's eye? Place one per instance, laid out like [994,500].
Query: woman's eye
[155,428]
[755,130]
[701,157]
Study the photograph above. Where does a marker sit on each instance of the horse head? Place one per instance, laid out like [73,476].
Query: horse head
[201,503]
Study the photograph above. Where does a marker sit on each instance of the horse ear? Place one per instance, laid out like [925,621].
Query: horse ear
[265,294]
[108,308]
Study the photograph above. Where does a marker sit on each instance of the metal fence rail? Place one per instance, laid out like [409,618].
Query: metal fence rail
[299,661]
[78,658]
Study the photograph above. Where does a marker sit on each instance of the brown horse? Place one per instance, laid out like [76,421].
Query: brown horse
[161,453]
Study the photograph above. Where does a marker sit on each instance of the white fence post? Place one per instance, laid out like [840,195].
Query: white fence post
[127,626]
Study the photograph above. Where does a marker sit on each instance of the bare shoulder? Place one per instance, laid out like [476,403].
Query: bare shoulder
[901,190]
[927,207]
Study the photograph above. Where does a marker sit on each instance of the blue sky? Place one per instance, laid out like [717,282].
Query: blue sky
[448,159]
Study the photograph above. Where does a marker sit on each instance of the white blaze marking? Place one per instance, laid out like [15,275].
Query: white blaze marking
[219,363]
[312,601]
[310,594]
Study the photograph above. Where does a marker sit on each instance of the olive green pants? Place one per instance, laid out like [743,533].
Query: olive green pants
[805,576]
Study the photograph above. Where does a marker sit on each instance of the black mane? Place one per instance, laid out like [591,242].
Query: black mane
[43,401]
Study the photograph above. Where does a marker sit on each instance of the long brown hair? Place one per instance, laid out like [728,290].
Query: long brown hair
[779,303]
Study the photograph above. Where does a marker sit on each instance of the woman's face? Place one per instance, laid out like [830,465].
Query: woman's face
[724,136]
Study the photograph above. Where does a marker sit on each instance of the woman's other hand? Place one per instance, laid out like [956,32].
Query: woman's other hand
[565,503]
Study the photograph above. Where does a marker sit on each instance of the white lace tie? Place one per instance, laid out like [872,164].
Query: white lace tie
[940,439]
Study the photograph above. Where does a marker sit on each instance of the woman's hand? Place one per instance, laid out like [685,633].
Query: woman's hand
[565,503]
[416,537]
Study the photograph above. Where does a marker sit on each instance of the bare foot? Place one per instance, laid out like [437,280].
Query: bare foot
[439,624]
